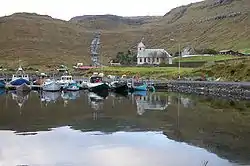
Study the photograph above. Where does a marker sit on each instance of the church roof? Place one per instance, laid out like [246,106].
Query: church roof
[141,45]
[158,53]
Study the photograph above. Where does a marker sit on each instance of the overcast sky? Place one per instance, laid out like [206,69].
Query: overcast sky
[65,9]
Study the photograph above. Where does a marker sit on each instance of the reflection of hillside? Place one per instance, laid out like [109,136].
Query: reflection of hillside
[222,131]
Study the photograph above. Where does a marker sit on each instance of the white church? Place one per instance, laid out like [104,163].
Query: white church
[152,56]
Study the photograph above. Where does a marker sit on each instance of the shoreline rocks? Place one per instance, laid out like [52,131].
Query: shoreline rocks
[236,90]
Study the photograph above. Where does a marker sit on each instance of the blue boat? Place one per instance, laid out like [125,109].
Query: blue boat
[137,86]
[20,78]
[72,87]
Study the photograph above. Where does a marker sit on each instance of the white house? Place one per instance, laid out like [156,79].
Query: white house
[152,56]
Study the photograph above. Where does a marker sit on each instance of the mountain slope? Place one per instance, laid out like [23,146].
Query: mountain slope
[42,40]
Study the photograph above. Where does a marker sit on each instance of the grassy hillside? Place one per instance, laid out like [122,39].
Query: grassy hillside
[45,41]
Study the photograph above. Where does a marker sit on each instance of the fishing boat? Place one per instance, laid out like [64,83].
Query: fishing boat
[137,85]
[40,80]
[119,86]
[65,80]
[51,85]
[72,87]
[96,83]
[20,80]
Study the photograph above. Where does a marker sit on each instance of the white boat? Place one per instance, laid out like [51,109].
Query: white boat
[65,80]
[96,83]
[20,80]
[51,85]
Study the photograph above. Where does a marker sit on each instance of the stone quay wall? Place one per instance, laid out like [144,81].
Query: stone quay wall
[238,90]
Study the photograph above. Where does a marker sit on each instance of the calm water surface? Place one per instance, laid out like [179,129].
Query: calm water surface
[155,129]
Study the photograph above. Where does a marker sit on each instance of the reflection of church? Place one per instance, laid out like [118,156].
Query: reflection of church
[150,102]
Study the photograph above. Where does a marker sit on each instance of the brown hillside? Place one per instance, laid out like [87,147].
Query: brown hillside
[42,40]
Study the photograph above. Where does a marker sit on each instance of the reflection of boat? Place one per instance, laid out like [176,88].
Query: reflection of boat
[23,87]
[95,100]
[20,97]
[51,85]
[119,86]
[50,96]
[70,95]
[2,91]
[20,79]
[2,83]
[140,93]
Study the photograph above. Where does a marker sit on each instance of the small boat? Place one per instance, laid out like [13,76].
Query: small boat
[51,85]
[137,86]
[96,84]
[65,80]
[40,80]
[72,87]
[119,86]
[20,78]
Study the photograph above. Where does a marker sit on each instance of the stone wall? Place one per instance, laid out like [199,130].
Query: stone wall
[238,90]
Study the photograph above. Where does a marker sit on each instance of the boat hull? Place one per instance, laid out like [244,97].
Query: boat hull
[139,88]
[19,81]
[98,87]
[23,87]
[72,88]
[51,87]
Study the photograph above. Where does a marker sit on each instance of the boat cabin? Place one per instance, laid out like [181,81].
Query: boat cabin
[66,78]
[20,74]
[95,79]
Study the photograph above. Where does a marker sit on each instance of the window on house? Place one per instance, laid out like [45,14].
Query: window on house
[145,59]
[157,59]
[140,59]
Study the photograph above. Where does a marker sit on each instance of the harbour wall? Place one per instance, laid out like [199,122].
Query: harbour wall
[236,90]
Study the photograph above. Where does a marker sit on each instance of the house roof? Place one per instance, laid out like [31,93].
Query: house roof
[141,45]
[159,53]
[225,50]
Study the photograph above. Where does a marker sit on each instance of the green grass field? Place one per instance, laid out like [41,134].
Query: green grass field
[154,72]
[205,58]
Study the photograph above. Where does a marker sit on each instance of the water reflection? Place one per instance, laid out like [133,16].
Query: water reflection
[173,129]
[48,97]
[20,97]
[150,101]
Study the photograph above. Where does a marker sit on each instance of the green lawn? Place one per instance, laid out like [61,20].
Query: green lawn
[245,51]
[205,58]
[157,72]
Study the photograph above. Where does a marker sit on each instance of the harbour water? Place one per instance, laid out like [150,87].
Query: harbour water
[141,129]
